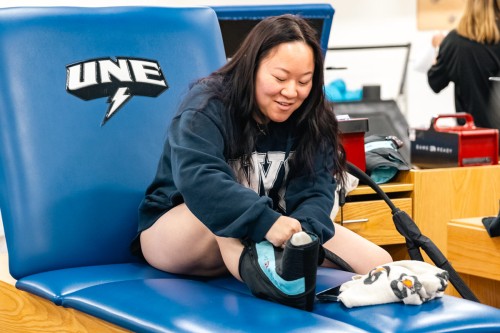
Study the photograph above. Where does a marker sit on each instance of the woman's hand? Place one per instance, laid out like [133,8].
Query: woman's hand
[282,230]
[437,39]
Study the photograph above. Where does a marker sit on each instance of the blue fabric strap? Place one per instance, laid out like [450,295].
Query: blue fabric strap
[267,262]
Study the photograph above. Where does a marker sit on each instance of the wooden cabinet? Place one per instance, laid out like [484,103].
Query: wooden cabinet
[476,256]
[368,215]
[432,197]
[373,220]
[472,250]
[442,195]
[436,199]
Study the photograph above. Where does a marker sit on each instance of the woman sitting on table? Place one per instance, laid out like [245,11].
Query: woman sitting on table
[252,158]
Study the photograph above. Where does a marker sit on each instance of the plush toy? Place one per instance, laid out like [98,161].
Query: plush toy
[407,281]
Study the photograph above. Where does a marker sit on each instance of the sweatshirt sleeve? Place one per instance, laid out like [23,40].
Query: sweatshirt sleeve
[207,182]
[310,200]
[438,75]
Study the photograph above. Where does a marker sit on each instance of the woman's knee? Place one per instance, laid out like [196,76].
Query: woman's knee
[191,258]
[373,257]
[382,256]
[179,243]
[358,252]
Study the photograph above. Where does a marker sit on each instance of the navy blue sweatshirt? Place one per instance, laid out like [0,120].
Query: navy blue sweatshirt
[194,169]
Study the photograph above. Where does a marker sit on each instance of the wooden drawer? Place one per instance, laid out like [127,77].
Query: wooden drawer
[374,220]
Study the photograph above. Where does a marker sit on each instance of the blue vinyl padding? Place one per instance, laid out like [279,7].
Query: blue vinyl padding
[235,305]
[181,305]
[326,278]
[70,188]
[446,314]
[54,285]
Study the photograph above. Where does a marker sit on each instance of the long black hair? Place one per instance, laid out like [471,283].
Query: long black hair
[315,123]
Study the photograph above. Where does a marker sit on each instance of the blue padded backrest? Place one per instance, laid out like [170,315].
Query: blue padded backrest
[236,21]
[70,188]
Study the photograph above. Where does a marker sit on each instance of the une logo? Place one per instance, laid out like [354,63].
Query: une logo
[119,80]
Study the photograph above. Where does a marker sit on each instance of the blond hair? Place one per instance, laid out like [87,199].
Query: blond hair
[478,21]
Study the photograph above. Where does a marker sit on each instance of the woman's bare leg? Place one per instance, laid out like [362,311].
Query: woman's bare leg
[361,254]
[231,249]
[179,243]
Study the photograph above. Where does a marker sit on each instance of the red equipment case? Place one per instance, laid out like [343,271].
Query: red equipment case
[353,139]
[462,145]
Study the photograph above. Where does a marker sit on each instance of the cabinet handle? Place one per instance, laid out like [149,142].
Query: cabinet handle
[355,221]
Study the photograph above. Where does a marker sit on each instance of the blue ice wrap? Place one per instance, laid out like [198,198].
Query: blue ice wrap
[267,262]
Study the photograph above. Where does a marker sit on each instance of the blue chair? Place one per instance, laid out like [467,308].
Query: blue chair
[237,21]
[86,96]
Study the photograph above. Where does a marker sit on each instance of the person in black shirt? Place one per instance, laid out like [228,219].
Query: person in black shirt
[468,56]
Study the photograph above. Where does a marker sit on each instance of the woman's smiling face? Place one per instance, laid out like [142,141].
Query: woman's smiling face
[284,80]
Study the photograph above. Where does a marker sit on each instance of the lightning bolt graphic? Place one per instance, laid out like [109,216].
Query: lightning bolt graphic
[120,97]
